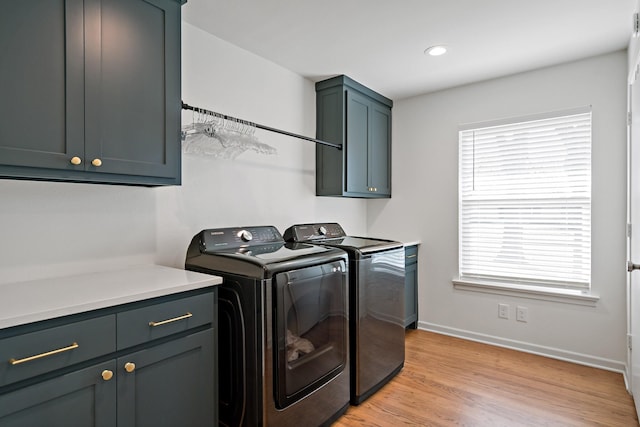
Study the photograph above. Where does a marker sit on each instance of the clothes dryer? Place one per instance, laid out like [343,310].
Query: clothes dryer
[376,303]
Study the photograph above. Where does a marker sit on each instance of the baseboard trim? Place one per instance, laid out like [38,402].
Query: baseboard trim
[554,353]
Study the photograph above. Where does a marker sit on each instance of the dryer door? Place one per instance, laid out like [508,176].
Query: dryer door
[310,329]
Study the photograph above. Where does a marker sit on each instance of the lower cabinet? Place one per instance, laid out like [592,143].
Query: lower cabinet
[168,377]
[411,287]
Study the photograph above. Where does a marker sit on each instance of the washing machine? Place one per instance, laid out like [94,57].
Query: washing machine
[283,326]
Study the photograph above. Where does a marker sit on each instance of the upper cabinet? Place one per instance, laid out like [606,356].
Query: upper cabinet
[91,91]
[350,114]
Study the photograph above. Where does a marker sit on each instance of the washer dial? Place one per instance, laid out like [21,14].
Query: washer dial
[245,235]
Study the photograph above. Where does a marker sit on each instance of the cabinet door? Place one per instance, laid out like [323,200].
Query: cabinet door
[379,152]
[368,166]
[411,287]
[356,170]
[133,87]
[80,398]
[172,384]
[410,295]
[41,82]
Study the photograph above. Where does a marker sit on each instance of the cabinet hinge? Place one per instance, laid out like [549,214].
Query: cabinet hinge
[629,118]
[636,23]
[629,340]
[629,228]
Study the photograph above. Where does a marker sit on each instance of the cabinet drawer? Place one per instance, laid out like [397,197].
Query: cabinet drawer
[35,353]
[410,254]
[156,321]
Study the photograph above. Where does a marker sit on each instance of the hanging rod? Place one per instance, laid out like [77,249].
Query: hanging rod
[259,126]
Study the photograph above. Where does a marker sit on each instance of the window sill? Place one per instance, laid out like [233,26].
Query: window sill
[567,296]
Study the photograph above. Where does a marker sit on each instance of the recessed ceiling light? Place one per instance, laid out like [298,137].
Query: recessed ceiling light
[436,50]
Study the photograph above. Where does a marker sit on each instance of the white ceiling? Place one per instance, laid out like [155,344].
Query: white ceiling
[380,43]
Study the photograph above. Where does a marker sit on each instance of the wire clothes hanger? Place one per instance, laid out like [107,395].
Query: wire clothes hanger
[212,134]
[239,125]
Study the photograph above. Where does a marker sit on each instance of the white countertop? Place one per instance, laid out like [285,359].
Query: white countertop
[412,243]
[44,299]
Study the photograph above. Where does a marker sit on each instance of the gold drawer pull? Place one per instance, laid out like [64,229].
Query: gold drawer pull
[175,319]
[41,355]
[411,256]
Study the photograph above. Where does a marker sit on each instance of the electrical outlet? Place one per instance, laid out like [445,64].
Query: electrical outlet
[522,314]
[503,311]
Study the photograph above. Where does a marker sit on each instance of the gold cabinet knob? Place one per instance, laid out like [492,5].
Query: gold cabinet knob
[96,162]
[129,366]
[107,375]
[76,160]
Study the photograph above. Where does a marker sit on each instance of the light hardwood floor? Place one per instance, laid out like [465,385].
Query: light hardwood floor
[453,382]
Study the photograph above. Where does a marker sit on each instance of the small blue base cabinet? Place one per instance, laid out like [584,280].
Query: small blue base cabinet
[120,366]
[411,286]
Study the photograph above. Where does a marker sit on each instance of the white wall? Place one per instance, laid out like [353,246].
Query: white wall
[253,189]
[54,229]
[425,183]
[49,228]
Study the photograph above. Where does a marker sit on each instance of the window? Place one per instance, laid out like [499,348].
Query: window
[525,200]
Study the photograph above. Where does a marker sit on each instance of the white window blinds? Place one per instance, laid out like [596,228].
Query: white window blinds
[525,200]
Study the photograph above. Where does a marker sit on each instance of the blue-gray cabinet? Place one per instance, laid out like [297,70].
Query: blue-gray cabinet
[90,91]
[150,363]
[355,116]
[171,384]
[411,286]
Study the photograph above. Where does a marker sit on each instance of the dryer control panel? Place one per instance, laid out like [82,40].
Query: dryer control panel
[319,231]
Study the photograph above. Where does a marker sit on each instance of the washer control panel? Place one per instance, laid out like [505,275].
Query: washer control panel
[305,232]
[220,238]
